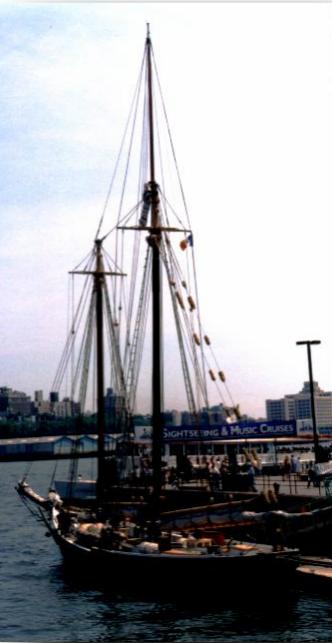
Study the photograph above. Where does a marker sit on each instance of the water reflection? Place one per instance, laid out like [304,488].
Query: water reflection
[180,616]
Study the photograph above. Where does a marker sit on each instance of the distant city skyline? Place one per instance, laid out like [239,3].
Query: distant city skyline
[248,93]
[292,405]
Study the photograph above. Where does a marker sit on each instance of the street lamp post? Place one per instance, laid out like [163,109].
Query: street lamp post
[308,344]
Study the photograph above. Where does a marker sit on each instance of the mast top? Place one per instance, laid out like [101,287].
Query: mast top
[148,32]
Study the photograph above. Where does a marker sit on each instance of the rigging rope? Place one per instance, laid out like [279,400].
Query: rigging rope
[185,369]
[138,84]
[82,370]
[135,346]
[61,370]
[170,139]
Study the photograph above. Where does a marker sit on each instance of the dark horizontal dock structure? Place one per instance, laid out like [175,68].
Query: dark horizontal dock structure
[25,457]
[52,447]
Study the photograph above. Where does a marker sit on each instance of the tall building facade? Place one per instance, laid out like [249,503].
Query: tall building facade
[298,406]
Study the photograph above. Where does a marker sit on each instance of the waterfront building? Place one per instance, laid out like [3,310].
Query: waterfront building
[206,416]
[38,397]
[172,418]
[298,406]
[14,403]
[113,404]
[67,408]
[41,406]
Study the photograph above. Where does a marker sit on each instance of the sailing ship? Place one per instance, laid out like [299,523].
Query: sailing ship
[129,528]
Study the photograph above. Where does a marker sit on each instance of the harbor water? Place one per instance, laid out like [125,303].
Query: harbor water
[41,601]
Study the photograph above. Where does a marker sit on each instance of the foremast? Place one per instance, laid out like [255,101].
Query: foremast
[99,273]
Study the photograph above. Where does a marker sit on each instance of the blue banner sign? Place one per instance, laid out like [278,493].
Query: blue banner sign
[234,431]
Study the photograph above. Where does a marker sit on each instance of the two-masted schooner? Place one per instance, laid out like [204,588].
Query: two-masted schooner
[125,529]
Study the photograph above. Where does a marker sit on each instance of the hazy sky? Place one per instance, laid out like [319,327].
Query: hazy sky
[248,94]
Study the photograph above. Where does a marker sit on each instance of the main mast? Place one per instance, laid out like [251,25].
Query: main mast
[154,241]
[99,280]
